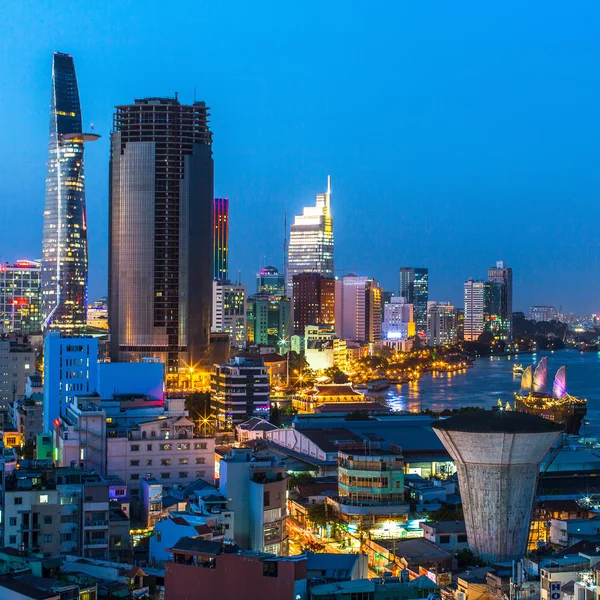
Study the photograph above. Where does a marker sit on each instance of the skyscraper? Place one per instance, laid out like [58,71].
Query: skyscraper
[161,234]
[20,297]
[398,319]
[313,301]
[414,287]
[358,306]
[270,282]
[474,295]
[311,240]
[441,324]
[503,275]
[64,246]
[221,238]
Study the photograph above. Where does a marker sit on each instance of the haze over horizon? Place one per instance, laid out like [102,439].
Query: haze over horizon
[455,135]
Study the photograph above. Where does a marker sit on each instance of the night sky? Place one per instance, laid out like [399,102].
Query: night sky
[456,134]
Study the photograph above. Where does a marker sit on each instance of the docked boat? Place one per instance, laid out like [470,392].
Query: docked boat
[518,369]
[558,406]
[378,385]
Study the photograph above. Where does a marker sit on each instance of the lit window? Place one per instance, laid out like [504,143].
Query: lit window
[43,498]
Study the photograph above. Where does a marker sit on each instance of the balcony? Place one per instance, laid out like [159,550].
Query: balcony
[95,524]
[95,543]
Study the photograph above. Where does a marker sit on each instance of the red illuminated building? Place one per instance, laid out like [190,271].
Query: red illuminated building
[314,301]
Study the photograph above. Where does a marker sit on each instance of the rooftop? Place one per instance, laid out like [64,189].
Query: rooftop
[335,389]
[446,526]
[495,421]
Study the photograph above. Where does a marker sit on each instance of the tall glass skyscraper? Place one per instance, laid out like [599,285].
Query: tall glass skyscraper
[221,239]
[502,277]
[65,256]
[161,233]
[311,240]
[414,288]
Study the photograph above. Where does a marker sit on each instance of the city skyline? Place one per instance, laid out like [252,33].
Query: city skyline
[512,162]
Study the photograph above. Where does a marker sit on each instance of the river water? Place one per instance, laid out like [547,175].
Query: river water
[492,378]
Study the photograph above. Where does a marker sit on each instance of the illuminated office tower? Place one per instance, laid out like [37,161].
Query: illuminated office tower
[160,233]
[414,287]
[221,238]
[270,282]
[229,311]
[64,246]
[21,297]
[474,295]
[358,305]
[310,248]
[313,301]
[503,276]
[441,324]
[398,319]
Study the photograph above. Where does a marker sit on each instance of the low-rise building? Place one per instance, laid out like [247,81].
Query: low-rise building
[449,535]
[17,363]
[253,429]
[256,492]
[226,572]
[51,510]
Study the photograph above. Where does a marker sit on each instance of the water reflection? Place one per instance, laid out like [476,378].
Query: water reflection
[491,379]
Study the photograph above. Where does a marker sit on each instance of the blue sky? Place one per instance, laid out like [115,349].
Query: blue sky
[455,133]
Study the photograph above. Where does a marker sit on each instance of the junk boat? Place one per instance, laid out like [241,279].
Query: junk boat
[558,406]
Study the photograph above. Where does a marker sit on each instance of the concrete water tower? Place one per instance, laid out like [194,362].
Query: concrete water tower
[497,455]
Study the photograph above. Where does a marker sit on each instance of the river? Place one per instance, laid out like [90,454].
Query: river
[492,378]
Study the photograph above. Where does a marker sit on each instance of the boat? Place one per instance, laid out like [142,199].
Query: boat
[517,369]
[378,385]
[558,405]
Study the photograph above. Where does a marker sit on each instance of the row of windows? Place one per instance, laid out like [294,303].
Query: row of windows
[197,446]
[166,462]
[180,475]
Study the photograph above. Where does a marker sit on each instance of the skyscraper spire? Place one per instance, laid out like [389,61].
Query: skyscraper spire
[64,247]
[310,247]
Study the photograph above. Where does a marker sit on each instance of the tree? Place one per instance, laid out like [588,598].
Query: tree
[297,362]
[300,479]
[322,515]
[336,375]
[466,558]
[275,415]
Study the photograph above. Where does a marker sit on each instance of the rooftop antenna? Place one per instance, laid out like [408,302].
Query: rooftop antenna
[194,94]
[239,281]
[176,96]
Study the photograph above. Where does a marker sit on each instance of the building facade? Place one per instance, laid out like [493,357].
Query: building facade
[17,363]
[160,233]
[313,301]
[474,297]
[543,313]
[270,282]
[21,297]
[70,368]
[502,277]
[229,311]
[358,307]
[414,287]
[256,492]
[64,246]
[310,247]
[221,239]
[57,510]
[240,390]
[441,325]
[398,319]
[268,321]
